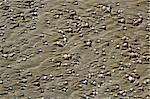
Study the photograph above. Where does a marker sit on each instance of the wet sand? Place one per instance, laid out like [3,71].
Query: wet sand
[74,49]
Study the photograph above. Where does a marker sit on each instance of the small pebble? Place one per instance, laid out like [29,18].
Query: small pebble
[104,60]
[48,22]
[125,44]
[113,57]
[103,53]
[117,4]
[147,81]
[98,41]
[1,81]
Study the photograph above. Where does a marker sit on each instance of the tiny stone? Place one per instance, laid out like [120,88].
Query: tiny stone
[5,55]
[124,28]
[81,35]
[107,89]
[92,28]
[64,89]
[131,89]
[118,46]
[77,75]
[93,83]
[113,57]
[84,81]
[94,49]
[10,88]
[56,16]
[139,61]
[147,97]
[85,25]
[125,44]
[45,43]
[101,76]
[39,50]
[124,38]
[108,73]
[117,4]
[75,44]
[124,93]
[98,85]
[9,66]
[103,67]
[96,52]
[103,49]
[147,81]
[116,95]
[61,31]
[65,39]
[48,22]
[24,59]
[126,75]
[103,27]
[102,18]
[103,7]
[44,77]
[117,86]
[104,60]
[103,53]
[1,81]
[98,41]
[29,97]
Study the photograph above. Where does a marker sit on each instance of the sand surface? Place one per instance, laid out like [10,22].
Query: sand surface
[74,49]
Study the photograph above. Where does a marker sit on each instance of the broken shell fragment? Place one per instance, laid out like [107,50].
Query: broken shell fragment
[131,79]
[60,44]
[66,56]
[88,43]
[133,55]
[122,20]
